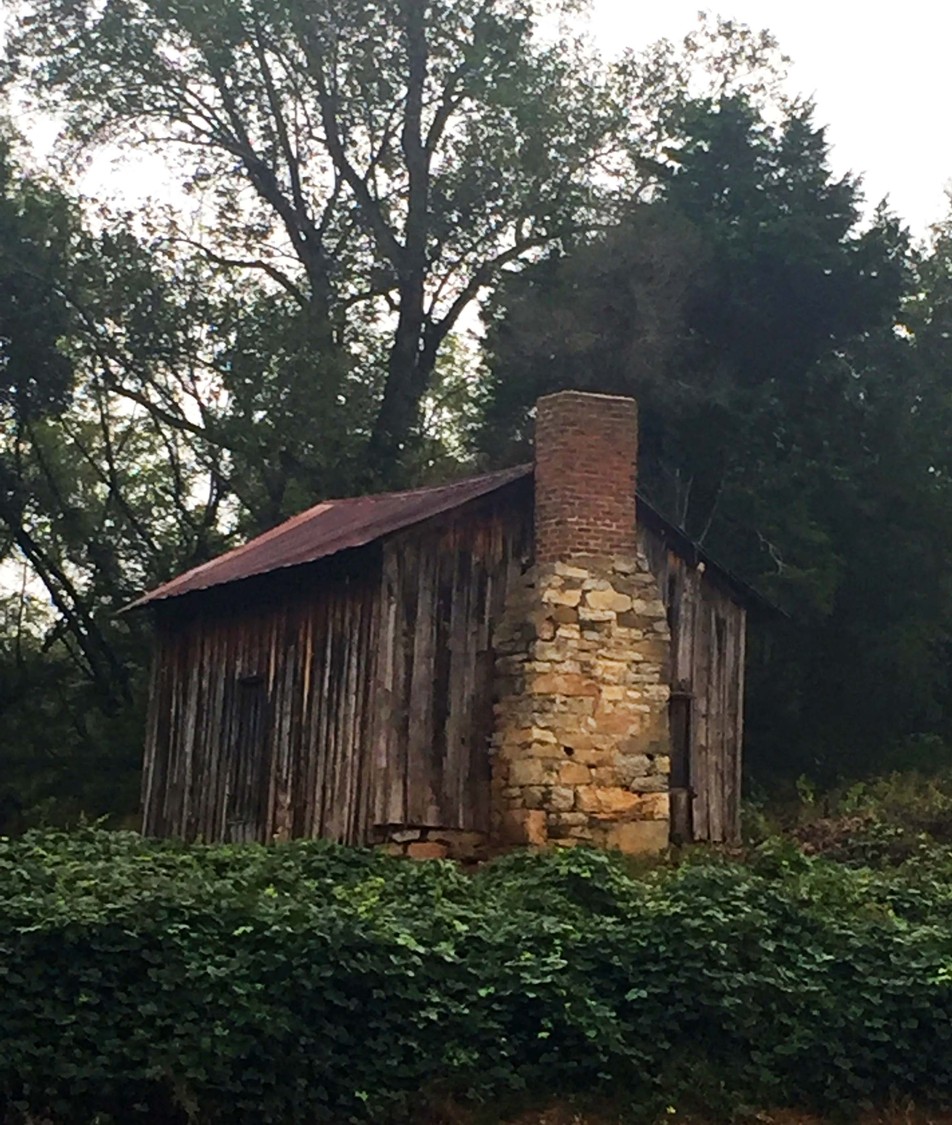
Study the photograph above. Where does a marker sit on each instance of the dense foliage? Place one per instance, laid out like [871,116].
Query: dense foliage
[792,381]
[308,982]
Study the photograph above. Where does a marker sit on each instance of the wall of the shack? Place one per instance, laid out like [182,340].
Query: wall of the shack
[444,590]
[337,699]
[708,629]
[260,711]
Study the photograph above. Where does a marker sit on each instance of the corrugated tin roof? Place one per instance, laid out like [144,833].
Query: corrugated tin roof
[330,527]
[339,525]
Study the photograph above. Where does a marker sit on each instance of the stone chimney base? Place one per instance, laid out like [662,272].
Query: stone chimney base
[580,749]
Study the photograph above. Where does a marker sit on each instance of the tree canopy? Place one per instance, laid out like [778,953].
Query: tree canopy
[787,416]
[378,161]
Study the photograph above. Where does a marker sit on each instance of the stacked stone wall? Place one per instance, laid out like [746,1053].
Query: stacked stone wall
[581,743]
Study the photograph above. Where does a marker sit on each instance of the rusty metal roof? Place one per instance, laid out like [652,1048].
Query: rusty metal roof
[330,527]
[339,525]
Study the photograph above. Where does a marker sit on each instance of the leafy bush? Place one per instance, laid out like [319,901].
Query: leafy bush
[881,821]
[307,982]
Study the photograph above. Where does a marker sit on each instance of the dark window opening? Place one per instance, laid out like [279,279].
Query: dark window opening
[680,709]
[679,718]
[250,761]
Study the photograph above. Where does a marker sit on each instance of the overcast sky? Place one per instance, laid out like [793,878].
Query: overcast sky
[880,74]
[881,77]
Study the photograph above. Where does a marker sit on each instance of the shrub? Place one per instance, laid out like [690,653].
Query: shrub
[307,982]
[881,821]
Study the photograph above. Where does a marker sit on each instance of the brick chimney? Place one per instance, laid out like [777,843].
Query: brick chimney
[581,741]
[586,456]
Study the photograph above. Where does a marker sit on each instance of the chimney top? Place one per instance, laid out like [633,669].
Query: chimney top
[586,453]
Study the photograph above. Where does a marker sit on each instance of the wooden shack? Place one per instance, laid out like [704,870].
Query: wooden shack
[522,657]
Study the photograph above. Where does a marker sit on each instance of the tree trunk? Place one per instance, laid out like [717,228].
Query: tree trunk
[409,370]
[411,362]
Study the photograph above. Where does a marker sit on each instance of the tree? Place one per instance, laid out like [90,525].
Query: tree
[712,304]
[97,500]
[379,161]
[785,416]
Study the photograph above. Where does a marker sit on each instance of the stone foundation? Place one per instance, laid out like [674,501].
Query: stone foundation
[581,742]
[434,843]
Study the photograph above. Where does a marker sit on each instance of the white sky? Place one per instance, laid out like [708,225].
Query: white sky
[880,74]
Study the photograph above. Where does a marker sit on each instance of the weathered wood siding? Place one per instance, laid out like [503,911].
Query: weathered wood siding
[260,712]
[333,697]
[444,589]
[708,629]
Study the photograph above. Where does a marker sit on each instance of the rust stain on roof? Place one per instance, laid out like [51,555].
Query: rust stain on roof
[340,525]
[330,527]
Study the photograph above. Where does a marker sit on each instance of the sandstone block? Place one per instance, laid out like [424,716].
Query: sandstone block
[566,570]
[633,765]
[652,806]
[544,628]
[533,796]
[621,723]
[554,596]
[427,849]
[530,771]
[611,671]
[608,600]
[638,836]
[596,584]
[595,615]
[574,773]
[613,693]
[559,798]
[607,800]
[556,683]
[588,756]
[568,819]
[549,751]
[633,621]
[524,826]
[651,783]
[405,835]
[516,736]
